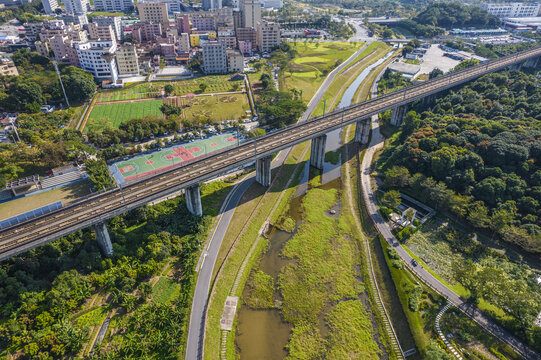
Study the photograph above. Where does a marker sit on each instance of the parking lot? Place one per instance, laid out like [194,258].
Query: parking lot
[434,59]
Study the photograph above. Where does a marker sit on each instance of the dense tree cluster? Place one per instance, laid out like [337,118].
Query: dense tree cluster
[477,154]
[41,290]
[279,108]
[38,84]
[448,15]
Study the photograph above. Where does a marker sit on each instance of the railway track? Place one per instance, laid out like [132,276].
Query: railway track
[98,207]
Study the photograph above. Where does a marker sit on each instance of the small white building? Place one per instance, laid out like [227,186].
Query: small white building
[98,58]
[516,9]
[235,61]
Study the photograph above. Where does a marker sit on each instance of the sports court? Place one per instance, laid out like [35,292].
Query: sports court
[158,161]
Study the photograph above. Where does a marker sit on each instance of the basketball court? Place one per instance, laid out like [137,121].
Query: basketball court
[158,161]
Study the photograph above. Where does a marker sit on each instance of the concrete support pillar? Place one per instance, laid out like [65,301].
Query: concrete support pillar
[317,152]
[397,116]
[427,100]
[362,131]
[532,63]
[263,171]
[193,200]
[517,66]
[104,241]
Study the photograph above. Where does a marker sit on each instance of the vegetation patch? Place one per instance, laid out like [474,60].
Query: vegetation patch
[112,115]
[259,291]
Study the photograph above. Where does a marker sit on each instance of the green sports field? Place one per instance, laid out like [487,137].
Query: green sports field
[114,114]
[144,165]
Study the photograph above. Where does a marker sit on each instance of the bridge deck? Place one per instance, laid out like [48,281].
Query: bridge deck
[99,207]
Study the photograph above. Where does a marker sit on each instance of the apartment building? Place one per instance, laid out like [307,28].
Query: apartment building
[214,57]
[101,32]
[268,36]
[49,6]
[182,21]
[235,60]
[79,19]
[113,5]
[7,67]
[184,43]
[98,58]
[32,30]
[229,41]
[43,48]
[127,60]
[247,34]
[203,22]
[516,9]
[251,12]
[114,21]
[77,7]
[145,31]
[153,12]
[245,47]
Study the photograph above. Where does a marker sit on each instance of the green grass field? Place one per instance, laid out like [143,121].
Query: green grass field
[140,166]
[107,115]
[217,107]
[164,290]
[215,84]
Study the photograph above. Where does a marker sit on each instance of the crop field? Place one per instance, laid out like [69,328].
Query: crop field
[214,83]
[107,115]
[216,107]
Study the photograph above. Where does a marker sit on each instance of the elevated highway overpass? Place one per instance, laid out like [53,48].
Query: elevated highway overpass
[94,209]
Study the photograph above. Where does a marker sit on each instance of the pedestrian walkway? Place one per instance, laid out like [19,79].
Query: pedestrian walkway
[442,336]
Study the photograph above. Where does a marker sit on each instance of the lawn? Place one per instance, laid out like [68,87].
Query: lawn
[214,83]
[164,290]
[65,194]
[112,115]
[216,107]
[309,68]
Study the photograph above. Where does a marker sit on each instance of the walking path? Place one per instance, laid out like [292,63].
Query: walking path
[369,197]
[442,336]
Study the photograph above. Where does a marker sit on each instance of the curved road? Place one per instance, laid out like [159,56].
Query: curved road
[194,344]
[369,198]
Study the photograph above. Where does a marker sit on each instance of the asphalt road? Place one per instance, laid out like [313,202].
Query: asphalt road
[369,197]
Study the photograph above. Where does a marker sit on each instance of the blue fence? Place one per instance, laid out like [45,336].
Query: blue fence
[30,214]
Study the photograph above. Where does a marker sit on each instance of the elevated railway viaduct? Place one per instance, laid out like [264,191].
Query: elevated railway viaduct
[95,209]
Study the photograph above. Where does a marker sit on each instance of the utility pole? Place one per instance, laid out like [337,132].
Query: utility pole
[61,84]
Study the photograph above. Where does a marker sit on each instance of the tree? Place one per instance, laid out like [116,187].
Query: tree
[478,216]
[387,33]
[397,176]
[98,174]
[435,352]
[466,64]
[202,87]
[170,109]
[79,84]
[435,73]
[392,199]
[168,89]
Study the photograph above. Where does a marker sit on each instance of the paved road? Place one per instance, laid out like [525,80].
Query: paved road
[370,200]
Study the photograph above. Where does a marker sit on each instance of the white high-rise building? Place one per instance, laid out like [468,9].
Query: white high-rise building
[517,9]
[272,4]
[214,57]
[251,12]
[77,7]
[49,6]
[113,5]
[98,58]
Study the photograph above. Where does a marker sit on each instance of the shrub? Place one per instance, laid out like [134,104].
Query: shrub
[415,296]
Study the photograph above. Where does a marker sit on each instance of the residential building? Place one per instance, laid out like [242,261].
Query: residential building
[214,57]
[237,19]
[98,58]
[245,47]
[113,5]
[126,60]
[247,34]
[101,32]
[194,40]
[7,67]
[203,21]
[229,41]
[212,4]
[516,9]
[251,12]
[32,30]
[268,36]
[80,19]
[43,48]
[49,6]
[168,52]
[235,60]
[51,28]
[182,22]
[153,12]
[184,43]
[145,31]
[76,7]
[114,21]
[223,18]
